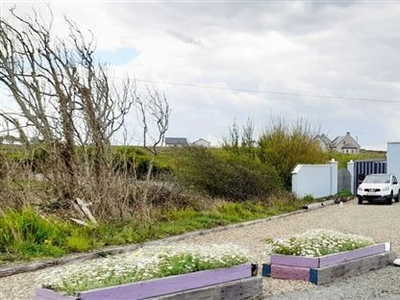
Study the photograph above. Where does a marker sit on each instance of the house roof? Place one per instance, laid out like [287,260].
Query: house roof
[176,141]
[201,140]
[324,139]
[340,139]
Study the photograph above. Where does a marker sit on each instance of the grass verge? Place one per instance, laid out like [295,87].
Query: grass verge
[27,235]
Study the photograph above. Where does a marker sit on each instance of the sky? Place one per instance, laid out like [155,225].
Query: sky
[333,64]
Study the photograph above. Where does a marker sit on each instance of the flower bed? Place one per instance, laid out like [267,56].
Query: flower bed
[153,272]
[320,256]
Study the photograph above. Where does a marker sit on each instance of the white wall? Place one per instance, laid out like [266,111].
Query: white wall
[393,159]
[315,180]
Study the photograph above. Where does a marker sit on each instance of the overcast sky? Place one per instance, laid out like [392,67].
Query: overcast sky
[336,64]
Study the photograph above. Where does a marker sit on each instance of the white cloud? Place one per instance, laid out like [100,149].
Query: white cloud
[339,49]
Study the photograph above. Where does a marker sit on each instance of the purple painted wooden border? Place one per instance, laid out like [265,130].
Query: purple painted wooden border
[337,258]
[290,272]
[167,285]
[328,260]
[46,294]
[295,261]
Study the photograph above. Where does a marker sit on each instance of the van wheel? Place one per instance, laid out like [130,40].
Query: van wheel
[360,201]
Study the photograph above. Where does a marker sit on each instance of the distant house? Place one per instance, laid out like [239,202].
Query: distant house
[324,142]
[176,142]
[201,143]
[344,144]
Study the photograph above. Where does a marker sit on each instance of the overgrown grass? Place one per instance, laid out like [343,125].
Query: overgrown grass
[24,234]
[27,235]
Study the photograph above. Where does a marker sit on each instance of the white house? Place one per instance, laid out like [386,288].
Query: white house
[202,143]
[345,143]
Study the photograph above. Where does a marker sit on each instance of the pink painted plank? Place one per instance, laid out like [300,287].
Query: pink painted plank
[336,258]
[46,294]
[296,261]
[290,272]
[167,285]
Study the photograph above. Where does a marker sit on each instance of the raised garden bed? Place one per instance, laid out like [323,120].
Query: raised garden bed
[239,282]
[324,269]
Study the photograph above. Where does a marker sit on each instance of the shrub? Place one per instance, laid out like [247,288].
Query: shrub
[135,161]
[283,147]
[226,175]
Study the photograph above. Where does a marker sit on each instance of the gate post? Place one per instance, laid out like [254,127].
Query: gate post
[334,177]
[350,168]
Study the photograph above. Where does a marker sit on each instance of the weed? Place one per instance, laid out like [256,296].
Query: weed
[308,198]
[76,243]
[344,193]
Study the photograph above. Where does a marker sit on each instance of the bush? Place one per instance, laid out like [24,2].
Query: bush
[226,175]
[135,161]
[283,147]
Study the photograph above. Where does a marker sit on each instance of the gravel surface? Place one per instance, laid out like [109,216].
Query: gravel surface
[381,222]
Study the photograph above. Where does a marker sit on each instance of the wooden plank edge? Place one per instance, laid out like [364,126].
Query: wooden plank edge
[346,269]
[46,294]
[247,288]
[317,262]
[290,272]
[340,257]
[266,270]
[295,261]
[160,286]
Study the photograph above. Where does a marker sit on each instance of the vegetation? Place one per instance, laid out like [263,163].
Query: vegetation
[142,264]
[317,243]
[284,146]
[232,176]
[67,113]
[27,234]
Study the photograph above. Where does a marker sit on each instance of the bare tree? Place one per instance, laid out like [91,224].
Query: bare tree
[61,93]
[154,111]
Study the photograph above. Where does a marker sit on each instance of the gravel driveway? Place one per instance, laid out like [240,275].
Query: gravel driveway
[381,222]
